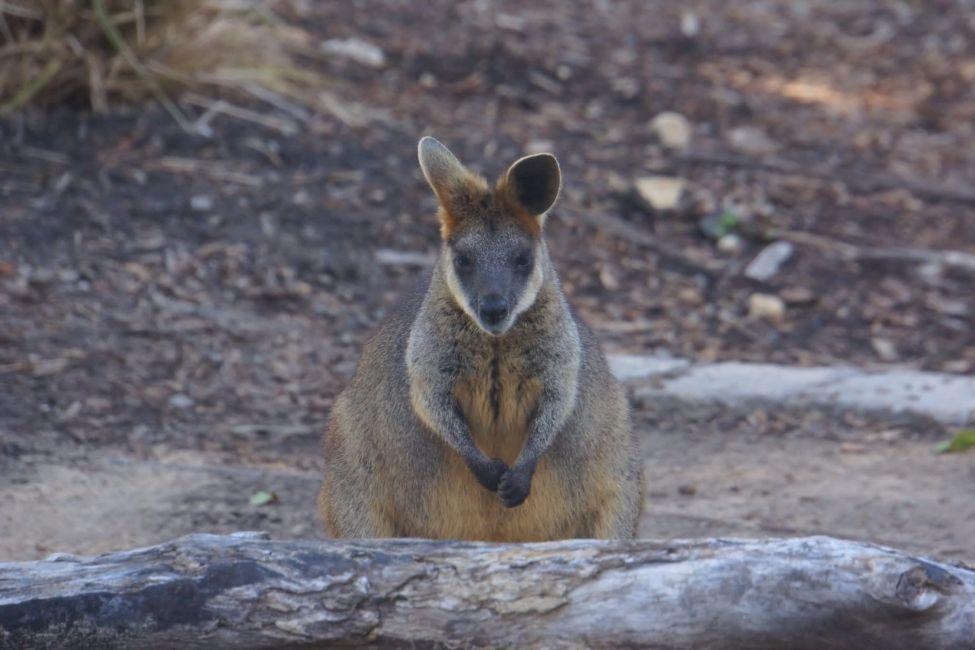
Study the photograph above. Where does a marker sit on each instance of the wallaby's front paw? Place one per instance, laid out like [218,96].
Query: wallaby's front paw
[515,485]
[489,474]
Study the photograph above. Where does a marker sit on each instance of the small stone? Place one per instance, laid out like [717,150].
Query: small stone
[730,243]
[97,404]
[689,296]
[510,22]
[392,257]
[797,295]
[690,24]
[672,129]
[180,401]
[201,203]
[752,140]
[618,184]
[763,306]
[853,448]
[768,262]
[539,146]
[960,366]
[660,192]
[356,50]
[884,348]
[608,278]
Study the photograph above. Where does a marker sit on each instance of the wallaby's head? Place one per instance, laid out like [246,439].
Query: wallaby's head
[493,257]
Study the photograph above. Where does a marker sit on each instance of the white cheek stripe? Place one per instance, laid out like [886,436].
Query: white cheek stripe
[532,288]
[454,285]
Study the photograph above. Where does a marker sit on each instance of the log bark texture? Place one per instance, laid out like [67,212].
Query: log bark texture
[245,591]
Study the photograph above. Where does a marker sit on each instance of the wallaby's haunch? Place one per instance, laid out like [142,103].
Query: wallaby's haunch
[483,409]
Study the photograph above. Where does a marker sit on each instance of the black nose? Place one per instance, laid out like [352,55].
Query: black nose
[494,309]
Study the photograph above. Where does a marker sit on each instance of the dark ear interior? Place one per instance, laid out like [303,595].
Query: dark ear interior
[535,182]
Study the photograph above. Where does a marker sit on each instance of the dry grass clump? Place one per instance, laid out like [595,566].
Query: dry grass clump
[103,51]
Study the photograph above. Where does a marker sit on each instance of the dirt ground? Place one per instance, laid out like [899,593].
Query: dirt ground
[177,313]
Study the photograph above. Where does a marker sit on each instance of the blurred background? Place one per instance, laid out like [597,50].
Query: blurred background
[206,206]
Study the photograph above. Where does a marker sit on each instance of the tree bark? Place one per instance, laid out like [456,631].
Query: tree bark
[243,591]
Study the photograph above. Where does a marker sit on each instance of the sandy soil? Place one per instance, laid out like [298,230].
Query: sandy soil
[178,313]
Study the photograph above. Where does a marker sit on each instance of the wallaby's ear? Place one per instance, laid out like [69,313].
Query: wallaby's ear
[441,168]
[534,181]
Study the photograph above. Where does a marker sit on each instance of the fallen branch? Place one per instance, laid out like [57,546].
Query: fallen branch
[613,225]
[860,181]
[243,591]
[947,259]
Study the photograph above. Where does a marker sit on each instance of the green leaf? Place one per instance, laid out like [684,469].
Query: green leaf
[727,223]
[963,440]
[264,498]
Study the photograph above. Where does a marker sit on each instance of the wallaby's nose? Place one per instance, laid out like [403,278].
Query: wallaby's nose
[494,309]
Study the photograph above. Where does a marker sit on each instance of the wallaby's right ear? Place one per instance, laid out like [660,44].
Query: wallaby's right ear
[441,168]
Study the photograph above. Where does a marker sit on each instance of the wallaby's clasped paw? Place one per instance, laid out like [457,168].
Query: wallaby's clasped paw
[482,403]
[515,486]
[489,474]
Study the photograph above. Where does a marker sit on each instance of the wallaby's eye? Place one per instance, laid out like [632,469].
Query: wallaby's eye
[523,261]
[463,262]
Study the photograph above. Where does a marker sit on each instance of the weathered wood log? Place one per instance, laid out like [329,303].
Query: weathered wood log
[243,591]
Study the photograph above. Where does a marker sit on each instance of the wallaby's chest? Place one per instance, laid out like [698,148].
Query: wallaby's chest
[498,394]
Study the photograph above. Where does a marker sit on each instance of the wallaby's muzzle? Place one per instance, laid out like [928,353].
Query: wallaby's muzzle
[493,310]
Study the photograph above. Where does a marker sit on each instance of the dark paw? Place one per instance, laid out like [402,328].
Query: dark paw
[514,486]
[489,474]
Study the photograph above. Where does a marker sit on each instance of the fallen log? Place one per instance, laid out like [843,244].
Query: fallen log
[245,591]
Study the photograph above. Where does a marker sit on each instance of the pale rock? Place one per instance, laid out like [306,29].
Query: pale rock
[608,278]
[690,24]
[763,306]
[797,295]
[730,243]
[355,49]
[660,192]
[885,349]
[201,203]
[673,130]
[689,296]
[768,262]
[752,140]
[180,401]
[539,146]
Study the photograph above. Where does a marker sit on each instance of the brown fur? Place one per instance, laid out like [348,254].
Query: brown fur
[469,200]
[392,465]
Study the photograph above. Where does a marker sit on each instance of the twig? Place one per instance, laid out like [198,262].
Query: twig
[951,259]
[616,226]
[279,430]
[859,180]
[213,170]
[28,90]
[285,126]
[55,157]
[277,101]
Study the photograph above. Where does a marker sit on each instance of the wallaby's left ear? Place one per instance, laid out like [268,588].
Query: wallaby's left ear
[534,181]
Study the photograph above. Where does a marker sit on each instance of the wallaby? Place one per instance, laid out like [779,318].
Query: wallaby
[483,409]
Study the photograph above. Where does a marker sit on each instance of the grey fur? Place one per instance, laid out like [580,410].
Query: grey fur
[399,430]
